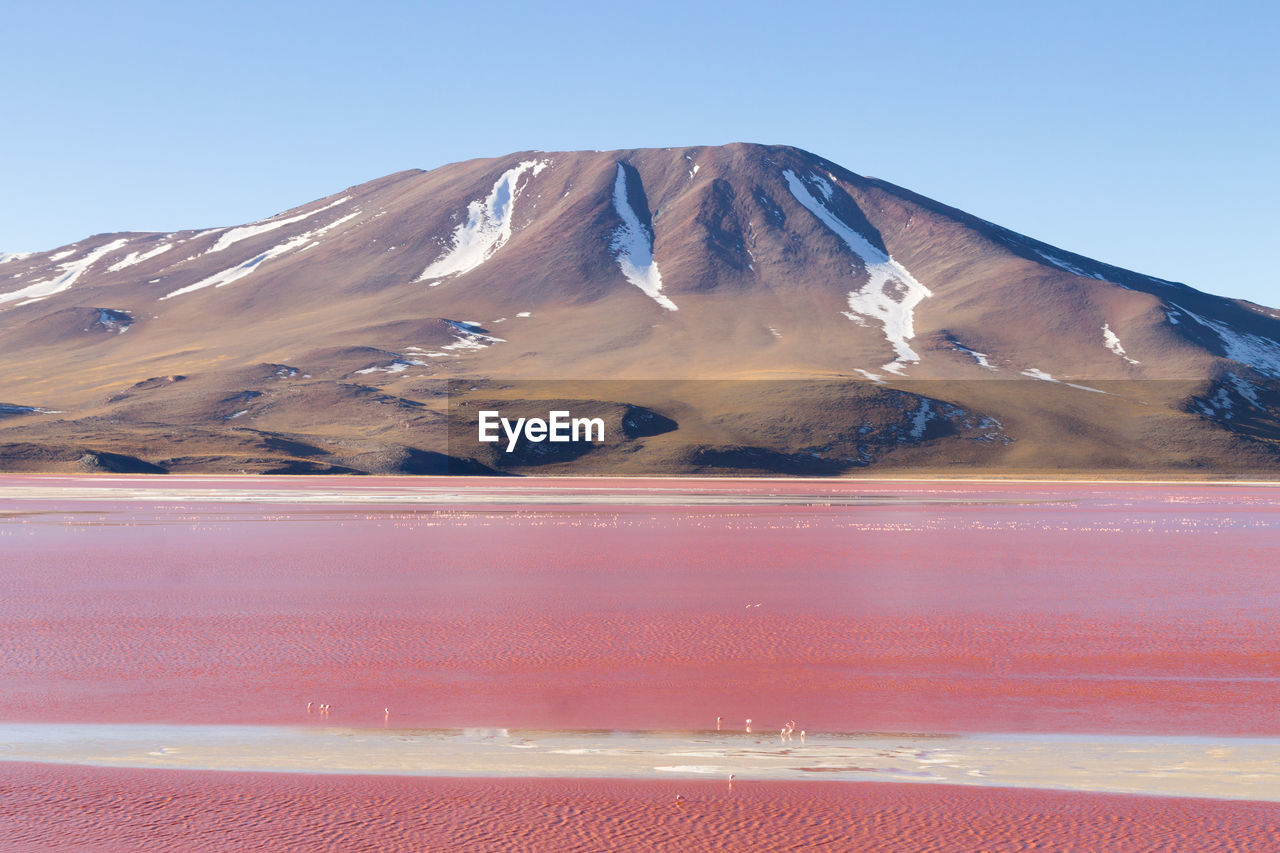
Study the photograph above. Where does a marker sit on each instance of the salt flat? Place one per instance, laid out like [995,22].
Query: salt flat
[1222,768]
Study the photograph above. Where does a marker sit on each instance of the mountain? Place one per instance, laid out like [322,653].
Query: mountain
[777,312]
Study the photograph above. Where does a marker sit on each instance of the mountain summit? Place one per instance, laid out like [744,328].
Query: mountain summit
[321,338]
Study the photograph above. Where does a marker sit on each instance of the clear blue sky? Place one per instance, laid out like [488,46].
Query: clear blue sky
[1142,134]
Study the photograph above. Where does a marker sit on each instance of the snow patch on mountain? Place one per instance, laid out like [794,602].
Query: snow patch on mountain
[416,354]
[470,336]
[823,186]
[1223,404]
[1245,389]
[138,257]
[1218,406]
[113,320]
[67,275]
[1231,399]
[6,257]
[979,357]
[771,210]
[890,295]
[1113,343]
[239,271]
[1262,354]
[920,420]
[13,409]
[244,232]
[1037,373]
[488,226]
[632,245]
[694,166]
[397,365]
[1067,266]
[914,428]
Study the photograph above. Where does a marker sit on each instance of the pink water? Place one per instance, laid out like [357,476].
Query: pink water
[1084,608]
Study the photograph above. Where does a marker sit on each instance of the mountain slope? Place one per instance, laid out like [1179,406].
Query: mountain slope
[335,326]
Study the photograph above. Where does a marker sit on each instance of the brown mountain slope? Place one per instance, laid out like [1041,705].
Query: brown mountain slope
[889,330]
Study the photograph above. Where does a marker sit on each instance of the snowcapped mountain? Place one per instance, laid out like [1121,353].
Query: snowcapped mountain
[322,338]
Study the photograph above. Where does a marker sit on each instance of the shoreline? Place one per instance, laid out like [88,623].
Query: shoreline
[538,493]
[1220,768]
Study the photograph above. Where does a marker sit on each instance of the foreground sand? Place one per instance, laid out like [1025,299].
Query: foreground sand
[77,808]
